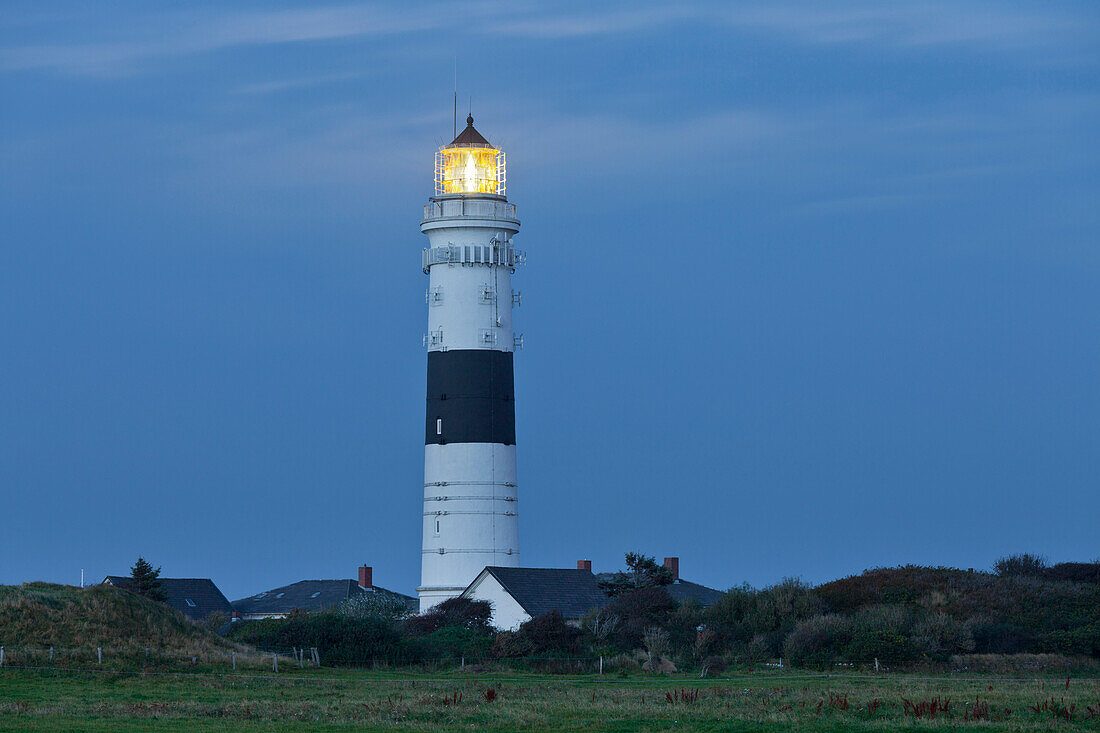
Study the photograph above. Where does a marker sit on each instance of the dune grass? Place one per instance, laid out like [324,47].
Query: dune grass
[42,615]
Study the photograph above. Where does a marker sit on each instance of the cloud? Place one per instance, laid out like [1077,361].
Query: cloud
[180,33]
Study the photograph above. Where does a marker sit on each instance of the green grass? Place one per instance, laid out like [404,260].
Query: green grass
[345,700]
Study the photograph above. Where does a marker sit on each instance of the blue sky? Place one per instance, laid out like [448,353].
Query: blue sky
[811,288]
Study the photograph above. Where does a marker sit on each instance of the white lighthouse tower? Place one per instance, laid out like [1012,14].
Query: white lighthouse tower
[471,514]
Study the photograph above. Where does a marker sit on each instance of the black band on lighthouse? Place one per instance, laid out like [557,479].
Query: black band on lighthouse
[471,397]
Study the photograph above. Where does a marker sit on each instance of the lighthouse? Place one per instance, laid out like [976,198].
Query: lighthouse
[471,512]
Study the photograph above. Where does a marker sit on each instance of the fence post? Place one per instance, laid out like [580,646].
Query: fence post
[876,664]
[302,658]
[463,662]
[601,664]
[99,654]
[234,655]
[51,655]
[1,656]
[313,655]
[275,662]
[318,653]
[781,662]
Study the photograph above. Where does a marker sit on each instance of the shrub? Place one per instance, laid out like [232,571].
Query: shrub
[339,639]
[1023,564]
[884,645]
[508,644]
[452,642]
[939,636]
[1077,572]
[374,605]
[656,643]
[549,634]
[818,640]
[992,637]
[638,611]
[744,613]
[461,612]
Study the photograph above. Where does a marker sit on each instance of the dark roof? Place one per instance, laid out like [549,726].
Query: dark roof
[541,590]
[469,138]
[311,595]
[682,590]
[195,598]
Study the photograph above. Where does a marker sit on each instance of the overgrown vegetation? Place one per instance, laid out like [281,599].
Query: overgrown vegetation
[899,616]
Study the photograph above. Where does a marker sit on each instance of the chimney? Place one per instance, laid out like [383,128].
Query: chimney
[365,576]
[584,565]
[673,564]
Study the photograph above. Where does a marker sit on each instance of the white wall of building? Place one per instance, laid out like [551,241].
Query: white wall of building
[507,614]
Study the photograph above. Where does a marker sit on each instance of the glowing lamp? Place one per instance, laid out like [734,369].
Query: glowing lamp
[469,165]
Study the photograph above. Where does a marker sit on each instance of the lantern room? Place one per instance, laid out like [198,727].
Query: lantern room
[469,165]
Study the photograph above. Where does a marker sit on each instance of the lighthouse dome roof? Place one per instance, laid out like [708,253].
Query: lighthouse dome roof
[469,138]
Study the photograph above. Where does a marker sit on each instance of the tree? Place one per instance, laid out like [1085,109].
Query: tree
[642,572]
[146,581]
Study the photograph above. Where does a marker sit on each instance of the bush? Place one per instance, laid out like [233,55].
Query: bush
[1023,564]
[374,605]
[549,634]
[818,640]
[744,614]
[884,645]
[452,642]
[461,612]
[339,639]
[638,611]
[1077,572]
[939,636]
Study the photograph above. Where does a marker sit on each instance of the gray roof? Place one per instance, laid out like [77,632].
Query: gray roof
[541,590]
[195,598]
[311,595]
[682,590]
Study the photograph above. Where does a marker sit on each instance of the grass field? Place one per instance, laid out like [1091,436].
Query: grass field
[345,700]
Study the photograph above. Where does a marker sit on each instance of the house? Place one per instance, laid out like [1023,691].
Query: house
[195,598]
[314,595]
[520,594]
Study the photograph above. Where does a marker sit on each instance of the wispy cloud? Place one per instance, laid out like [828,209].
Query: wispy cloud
[181,34]
[154,35]
[283,85]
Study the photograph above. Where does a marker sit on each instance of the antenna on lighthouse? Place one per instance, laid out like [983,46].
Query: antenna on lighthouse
[456,101]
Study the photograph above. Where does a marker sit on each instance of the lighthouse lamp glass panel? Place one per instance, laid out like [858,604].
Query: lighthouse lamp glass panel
[469,170]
